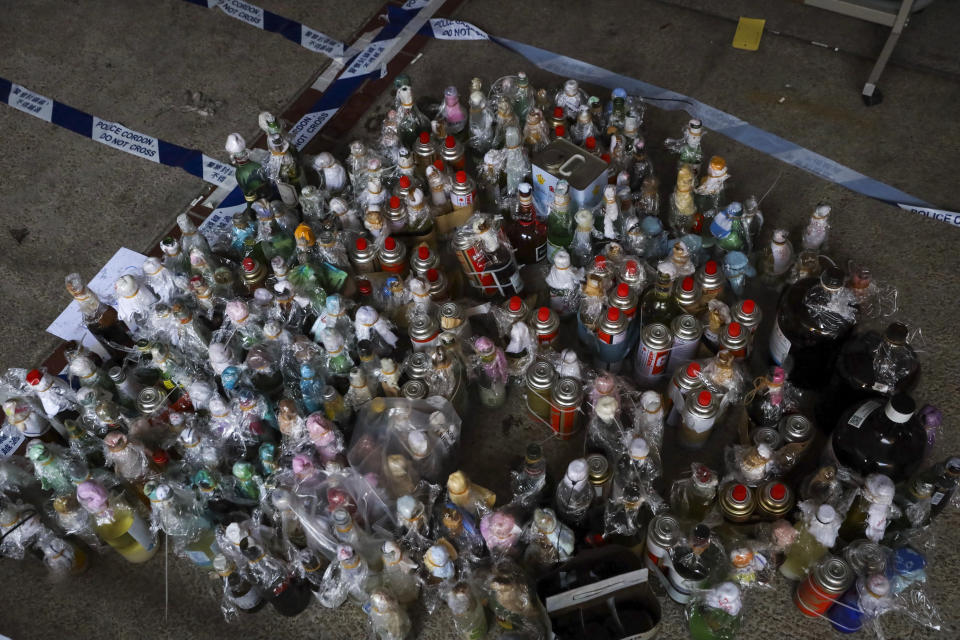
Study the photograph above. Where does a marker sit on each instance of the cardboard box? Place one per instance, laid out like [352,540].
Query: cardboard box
[561,159]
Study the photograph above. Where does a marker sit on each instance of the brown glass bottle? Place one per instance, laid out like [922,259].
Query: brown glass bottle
[527,233]
[806,340]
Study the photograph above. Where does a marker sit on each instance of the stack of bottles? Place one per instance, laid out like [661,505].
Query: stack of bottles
[285,401]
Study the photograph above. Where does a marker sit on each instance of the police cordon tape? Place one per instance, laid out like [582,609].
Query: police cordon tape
[268,21]
[712,118]
[117,136]
[370,62]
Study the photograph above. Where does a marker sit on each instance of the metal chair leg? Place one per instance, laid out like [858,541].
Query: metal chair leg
[871,94]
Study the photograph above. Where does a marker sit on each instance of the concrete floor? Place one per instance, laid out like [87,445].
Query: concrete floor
[133,63]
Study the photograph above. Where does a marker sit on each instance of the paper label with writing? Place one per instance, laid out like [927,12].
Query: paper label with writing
[861,414]
[779,344]
[10,440]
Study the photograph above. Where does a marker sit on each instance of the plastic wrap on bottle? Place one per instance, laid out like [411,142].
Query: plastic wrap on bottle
[715,613]
[752,464]
[726,376]
[501,532]
[874,299]
[549,541]
[513,602]
[631,504]
[20,528]
[400,441]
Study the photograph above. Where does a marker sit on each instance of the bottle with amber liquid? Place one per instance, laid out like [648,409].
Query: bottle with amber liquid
[658,304]
[527,233]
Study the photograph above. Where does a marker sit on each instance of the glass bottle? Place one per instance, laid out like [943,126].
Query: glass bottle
[455,119]
[873,438]
[752,220]
[776,258]
[715,614]
[50,467]
[871,363]
[179,518]
[813,317]
[658,304]
[815,233]
[691,498]
[768,404]
[682,207]
[944,485]
[527,233]
[410,120]
[469,616]
[100,319]
[480,124]
[516,163]
[867,517]
[574,494]
[913,501]
[816,534]
[529,483]
[250,174]
[559,220]
[117,524]
[237,590]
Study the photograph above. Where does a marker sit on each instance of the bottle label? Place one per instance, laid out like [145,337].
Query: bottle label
[10,441]
[462,200]
[879,387]
[248,600]
[516,281]
[937,497]
[140,532]
[779,345]
[198,558]
[861,414]
[541,252]
[611,338]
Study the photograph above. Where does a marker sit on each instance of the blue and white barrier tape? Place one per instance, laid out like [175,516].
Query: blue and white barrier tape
[117,136]
[369,62]
[292,30]
[713,119]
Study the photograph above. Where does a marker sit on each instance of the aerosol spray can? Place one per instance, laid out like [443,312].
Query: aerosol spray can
[687,332]
[653,354]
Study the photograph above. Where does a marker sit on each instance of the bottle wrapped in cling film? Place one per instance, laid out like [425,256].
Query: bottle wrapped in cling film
[874,299]
[750,565]
[753,464]
[400,441]
[715,613]
[629,507]
[487,260]
[725,376]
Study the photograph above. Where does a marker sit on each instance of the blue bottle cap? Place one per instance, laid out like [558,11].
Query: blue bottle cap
[908,560]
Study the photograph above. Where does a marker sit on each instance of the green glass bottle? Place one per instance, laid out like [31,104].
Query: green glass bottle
[658,304]
[250,175]
[560,220]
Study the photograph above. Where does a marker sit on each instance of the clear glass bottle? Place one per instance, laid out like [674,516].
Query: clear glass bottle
[469,616]
[516,163]
[691,498]
[410,120]
[683,211]
[868,516]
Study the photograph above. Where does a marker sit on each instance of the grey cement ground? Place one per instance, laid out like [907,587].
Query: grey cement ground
[133,62]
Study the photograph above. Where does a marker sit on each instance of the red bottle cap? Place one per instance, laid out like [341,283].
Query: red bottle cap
[438,165]
[249,264]
[710,268]
[704,399]
[450,142]
[558,112]
[613,314]
[543,314]
[560,130]
[404,182]
[600,262]
[687,284]
[395,200]
[364,286]
[390,244]
[34,377]
[605,157]
[749,306]
[734,329]
[160,457]
[515,303]
[693,369]
[423,252]
[778,491]
[432,275]
[361,244]
[590,143]
[461,177]
[739,493]
[425,137]
[631,267]
[623,290]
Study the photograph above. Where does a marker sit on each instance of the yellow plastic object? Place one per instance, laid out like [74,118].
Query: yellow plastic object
[749,31]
